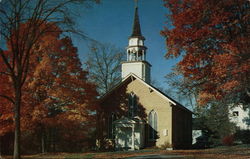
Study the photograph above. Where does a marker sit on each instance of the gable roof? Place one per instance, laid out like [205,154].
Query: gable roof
[159,92]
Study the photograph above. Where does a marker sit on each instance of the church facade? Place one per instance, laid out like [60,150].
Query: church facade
[135,114]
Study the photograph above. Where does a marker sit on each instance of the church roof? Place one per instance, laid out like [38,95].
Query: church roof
[136,32]
[131,76]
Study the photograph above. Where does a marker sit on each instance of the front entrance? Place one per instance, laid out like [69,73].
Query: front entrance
[129,134]
[124,138]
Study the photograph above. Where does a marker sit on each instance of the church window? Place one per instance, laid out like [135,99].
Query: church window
[152,119]
[132,105]
[111,128]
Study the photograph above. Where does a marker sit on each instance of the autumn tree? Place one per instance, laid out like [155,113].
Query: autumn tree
[63,97]
[6,114]
[56,94]
[212,119]
[104,65]
[213,38]
[32,14]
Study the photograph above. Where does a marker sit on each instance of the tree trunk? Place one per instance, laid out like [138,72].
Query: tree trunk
[17,123]
[54,140]
[43,140]
[48,140]
[43,146]
[0,147]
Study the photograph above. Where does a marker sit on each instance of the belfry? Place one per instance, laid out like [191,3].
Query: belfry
[136,53]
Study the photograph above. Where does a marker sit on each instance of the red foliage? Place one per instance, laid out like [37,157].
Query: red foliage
[56,91]
[213,37]
[6,107]
[228,140]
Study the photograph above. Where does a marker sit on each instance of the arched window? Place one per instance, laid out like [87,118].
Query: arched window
[133,55]
[152,121]
[132,105]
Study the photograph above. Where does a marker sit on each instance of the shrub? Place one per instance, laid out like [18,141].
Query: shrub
[243,136]
[166,145]
[228,140]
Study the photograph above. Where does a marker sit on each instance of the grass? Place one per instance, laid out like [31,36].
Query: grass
[82,156]
[222,152]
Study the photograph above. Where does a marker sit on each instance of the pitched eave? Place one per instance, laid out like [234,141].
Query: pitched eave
[114,88]
[153,88]
[163,95]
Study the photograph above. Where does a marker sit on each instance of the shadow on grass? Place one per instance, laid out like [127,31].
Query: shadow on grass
[239,151]
[80,156]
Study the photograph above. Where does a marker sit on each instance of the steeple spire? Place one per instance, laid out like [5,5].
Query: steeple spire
[136,25]
[136,53]
[136,3]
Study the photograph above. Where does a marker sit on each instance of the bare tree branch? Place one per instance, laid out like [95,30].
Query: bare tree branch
[7,97]
[22,24]
[103,64]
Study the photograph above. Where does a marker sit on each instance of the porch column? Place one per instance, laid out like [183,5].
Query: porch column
[133,137]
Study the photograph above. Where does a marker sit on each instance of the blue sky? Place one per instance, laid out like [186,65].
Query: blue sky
[111,22]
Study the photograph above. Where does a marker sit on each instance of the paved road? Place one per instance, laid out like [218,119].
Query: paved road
[154,156]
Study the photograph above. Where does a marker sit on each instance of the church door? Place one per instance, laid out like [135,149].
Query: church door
[124,138]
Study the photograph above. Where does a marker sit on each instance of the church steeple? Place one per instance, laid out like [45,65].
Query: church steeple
[136,53]
[136,25]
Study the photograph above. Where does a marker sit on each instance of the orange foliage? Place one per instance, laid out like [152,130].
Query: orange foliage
[6,108]
[213,37]
[56,92]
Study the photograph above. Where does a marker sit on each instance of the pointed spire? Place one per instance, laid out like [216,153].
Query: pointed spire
[136,3]
[136,25]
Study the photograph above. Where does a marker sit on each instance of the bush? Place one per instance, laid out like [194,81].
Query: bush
[228,140]
[166,145]
[243,136]
[202,142]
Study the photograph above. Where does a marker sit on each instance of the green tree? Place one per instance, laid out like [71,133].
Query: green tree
[214,122]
